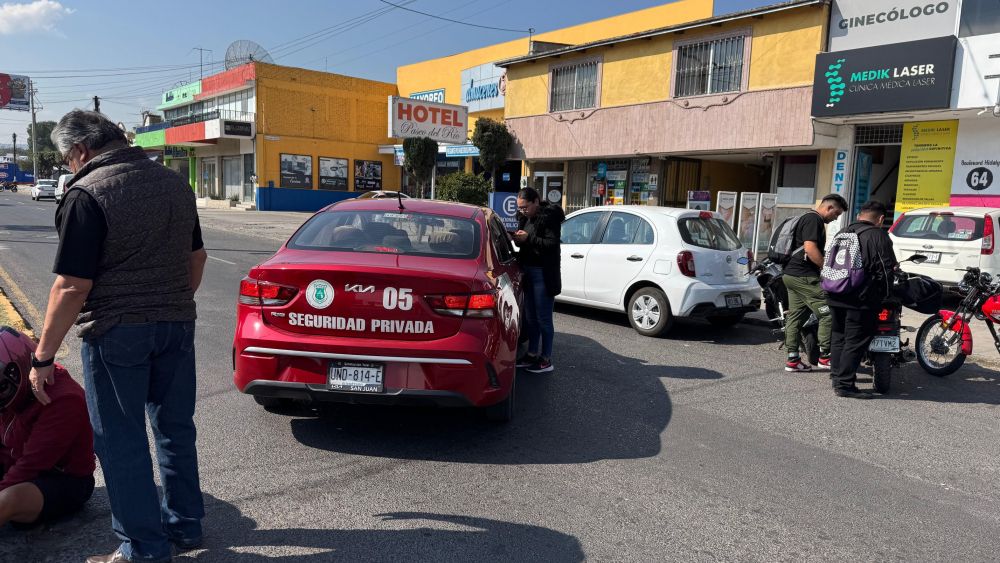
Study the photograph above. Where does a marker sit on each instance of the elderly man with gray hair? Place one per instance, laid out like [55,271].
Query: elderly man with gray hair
[129,261]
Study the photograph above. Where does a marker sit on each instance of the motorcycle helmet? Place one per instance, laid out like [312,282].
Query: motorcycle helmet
[15,365]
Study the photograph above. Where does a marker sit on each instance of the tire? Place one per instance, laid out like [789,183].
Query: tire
[725,321]
[649,312]
[502,412]
[881,371]
[810,345]
[941,361]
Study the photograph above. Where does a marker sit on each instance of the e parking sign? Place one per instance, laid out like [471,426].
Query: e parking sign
[504,204]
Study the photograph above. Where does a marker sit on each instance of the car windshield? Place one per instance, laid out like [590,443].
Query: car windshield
[711,233]
[392,232]
[939,226]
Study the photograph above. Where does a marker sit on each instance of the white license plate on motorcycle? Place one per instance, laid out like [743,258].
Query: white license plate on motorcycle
[884,344]
[734,301]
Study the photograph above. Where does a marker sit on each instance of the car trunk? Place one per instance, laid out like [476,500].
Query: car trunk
[719,258]
[366,295]
[951,243]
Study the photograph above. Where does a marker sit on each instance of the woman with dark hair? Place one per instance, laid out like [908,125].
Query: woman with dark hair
[537,238]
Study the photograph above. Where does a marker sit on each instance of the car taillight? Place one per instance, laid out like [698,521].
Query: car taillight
[463,305]
[892,229]
[253,292]
[685,261]
[988,241]
[705,215]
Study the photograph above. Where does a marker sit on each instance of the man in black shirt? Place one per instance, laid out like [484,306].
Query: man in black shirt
[855,315]
[801,279]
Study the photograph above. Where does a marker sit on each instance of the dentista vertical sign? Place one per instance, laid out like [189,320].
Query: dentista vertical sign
[868,23]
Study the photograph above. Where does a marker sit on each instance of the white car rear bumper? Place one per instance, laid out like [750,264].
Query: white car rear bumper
[702,300]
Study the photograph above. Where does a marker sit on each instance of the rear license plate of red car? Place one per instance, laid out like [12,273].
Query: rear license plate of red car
[359,377]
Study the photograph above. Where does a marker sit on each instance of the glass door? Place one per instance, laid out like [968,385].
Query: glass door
[549,186]
[232,177]
[207,187]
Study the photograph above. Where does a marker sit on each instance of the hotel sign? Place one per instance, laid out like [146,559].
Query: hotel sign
[906,76]
[445,123]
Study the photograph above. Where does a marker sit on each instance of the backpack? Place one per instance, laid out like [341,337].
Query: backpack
[780,250]
[844,267]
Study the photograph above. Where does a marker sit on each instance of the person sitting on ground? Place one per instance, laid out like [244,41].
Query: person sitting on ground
[47,458]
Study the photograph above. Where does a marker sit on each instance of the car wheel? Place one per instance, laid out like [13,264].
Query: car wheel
[504,410]
[649,312]
[725,321]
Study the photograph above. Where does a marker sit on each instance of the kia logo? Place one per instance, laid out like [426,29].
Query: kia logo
[358,288]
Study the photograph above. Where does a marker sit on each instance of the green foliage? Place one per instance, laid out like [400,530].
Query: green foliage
[493,140]
[48,157]
[463,187]
[419,155]
[44,136]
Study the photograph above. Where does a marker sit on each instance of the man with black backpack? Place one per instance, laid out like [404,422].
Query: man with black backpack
[801,253]
[858,277]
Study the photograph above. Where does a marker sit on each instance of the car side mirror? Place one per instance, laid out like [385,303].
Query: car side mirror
[916,259]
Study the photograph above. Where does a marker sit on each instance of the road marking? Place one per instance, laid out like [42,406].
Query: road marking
[221,260]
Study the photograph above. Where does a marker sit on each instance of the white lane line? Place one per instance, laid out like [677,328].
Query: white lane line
[221,260]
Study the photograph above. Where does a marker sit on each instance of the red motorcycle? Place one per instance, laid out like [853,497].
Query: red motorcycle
[945,339]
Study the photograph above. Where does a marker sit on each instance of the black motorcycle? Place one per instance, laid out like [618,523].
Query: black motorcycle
[9,186]
[768,275]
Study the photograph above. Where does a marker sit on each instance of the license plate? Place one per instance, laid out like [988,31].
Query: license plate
[734,301]
[932,257]
[356,376]
[884,344]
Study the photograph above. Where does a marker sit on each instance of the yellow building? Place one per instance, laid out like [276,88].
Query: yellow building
[719,104]
[276,137]
[470,78]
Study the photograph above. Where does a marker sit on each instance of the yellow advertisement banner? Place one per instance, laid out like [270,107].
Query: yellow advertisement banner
[926,165]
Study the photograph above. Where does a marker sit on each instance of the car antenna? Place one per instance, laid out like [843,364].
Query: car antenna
[399,196]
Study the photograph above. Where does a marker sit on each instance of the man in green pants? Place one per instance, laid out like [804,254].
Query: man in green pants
[802,281]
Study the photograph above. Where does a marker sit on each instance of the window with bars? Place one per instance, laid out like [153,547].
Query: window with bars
[574,87]
[709,67]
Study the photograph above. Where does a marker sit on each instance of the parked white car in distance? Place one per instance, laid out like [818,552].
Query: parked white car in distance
[43,188]
[656,264]
[61,186]
[952,238]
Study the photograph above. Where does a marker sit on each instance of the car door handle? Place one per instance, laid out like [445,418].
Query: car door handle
[634,258]
[576,255]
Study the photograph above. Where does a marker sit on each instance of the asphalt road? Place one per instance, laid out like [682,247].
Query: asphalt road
[695,448]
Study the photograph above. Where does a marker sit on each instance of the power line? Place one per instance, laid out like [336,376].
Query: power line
[524,31]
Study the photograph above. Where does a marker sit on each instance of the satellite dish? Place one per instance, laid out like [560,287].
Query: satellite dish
[244,51]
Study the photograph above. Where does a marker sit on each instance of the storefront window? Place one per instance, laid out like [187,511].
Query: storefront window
[574,87]
[797,179]
[710,67]
[979,17]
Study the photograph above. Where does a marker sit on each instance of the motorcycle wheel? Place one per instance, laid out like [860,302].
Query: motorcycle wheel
[934,354]
[881,372]
[810,346]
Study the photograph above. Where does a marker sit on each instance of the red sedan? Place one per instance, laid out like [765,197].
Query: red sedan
[384,301]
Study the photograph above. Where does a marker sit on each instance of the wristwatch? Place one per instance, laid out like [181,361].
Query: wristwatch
[36,363]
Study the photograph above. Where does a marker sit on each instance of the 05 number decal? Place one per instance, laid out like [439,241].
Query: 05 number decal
[401,298]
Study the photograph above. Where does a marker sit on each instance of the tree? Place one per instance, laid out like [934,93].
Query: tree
[493,140]
[419,157]
[48,156]
[464,187]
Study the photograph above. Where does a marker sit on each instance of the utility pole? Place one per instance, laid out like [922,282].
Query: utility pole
[15,148]
[97,104]
[34,130]
[201,59]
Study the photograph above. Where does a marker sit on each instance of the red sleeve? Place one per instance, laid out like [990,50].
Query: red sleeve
[52,435]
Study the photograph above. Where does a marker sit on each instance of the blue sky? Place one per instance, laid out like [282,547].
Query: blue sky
[58,43]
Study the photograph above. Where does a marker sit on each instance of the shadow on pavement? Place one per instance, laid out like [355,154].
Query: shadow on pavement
[972,383]
[684,330]
[597,405]
[232,536]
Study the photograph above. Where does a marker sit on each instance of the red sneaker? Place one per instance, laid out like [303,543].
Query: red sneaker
[823,364]
[797,365]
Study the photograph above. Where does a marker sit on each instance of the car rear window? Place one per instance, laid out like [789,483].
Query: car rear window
[392,232]
[937,226]
[711,233]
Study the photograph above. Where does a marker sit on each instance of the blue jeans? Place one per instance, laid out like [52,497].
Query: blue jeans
[129,372]
[538,312]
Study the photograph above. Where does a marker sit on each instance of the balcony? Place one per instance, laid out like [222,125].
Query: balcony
[198,118]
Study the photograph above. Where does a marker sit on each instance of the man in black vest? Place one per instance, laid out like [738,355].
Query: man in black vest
[129,261]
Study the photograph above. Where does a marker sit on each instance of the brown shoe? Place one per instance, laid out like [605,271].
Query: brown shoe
[115,557]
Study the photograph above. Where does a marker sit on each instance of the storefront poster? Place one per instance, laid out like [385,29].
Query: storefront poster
[841,170]
[765,221]
[616,186]
[900,77]
[926,165]
[748,217]
[725,205]
[976,176]
[699,200]
[296,171]
[367,175]
[332,173]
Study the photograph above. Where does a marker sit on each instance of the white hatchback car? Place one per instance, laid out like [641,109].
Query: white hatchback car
[952,238]
[43,188]
[656,264]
